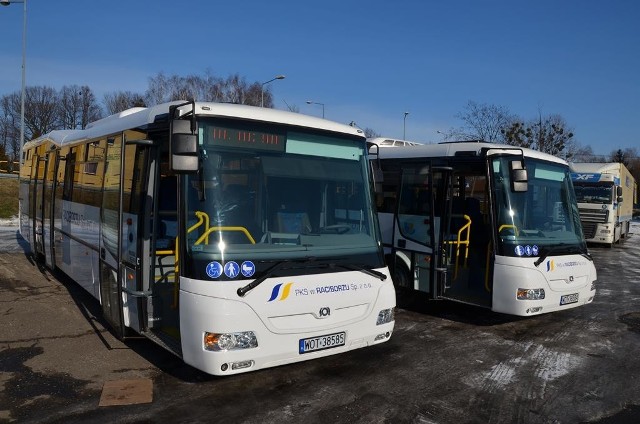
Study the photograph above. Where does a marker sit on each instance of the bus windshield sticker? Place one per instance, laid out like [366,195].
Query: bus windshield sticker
[247,268]
[231,269]
[214,269]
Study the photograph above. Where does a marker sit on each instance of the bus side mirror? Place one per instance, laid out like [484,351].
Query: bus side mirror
[618,191]
[519,177]
[183,147]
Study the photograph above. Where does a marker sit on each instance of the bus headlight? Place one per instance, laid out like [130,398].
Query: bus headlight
[230,341]
[530,294]
[593,285]
[385,316]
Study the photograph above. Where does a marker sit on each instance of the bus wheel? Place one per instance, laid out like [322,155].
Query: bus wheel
[402,276]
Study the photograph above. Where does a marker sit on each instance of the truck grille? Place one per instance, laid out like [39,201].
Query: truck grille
[589,229]
[594,215]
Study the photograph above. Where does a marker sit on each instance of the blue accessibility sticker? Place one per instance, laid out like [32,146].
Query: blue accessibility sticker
[214,269]
[247,268]
[231,269]
[519,250]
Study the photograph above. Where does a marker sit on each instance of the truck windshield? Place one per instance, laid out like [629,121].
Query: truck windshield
[306,198]
[600,194]
[543,217]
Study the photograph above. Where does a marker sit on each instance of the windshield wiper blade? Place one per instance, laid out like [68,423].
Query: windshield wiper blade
[269,272]
[564,248]
[353,267]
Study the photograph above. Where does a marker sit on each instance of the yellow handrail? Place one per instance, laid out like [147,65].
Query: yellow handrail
[203,218]
[212,229]
[465,228]
[503,226]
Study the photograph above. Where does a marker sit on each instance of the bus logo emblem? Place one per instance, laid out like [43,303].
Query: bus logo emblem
[325,312]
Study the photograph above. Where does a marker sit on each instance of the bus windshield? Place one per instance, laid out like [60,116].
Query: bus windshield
[543,217]
[278,195]
[599,194]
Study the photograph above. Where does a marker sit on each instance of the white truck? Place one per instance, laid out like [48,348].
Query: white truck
[606,193]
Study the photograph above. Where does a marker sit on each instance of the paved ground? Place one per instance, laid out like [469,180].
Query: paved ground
[444,364]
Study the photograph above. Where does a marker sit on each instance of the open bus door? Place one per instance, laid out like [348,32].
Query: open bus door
[423,213]
[37,202]
[122,242]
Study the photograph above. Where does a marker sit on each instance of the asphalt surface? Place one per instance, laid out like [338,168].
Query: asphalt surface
[445,363]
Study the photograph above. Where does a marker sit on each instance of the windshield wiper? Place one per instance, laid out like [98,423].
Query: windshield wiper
[242,291]
[269,272]
[564,248]
[353,267]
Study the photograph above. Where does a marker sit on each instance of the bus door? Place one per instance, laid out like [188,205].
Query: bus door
[122,241]
[47,208]
[466,237]
[163,307]
[419,257]
[38,172]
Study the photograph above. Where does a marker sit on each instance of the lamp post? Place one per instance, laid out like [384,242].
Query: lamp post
[404,126]
[24,51]
[277,77]
[309,102]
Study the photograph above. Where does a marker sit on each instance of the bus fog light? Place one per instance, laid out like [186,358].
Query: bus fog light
[241,364]
[530,294]
[229,341]
[385,316]
[382,336]
[534,310]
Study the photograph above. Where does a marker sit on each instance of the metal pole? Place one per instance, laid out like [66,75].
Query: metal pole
[24,67]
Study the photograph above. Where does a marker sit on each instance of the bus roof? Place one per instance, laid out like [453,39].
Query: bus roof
[139,117]
[462,148]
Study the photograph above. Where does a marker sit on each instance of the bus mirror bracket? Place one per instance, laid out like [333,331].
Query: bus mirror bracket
[376,169]
[519,177]
[183,145]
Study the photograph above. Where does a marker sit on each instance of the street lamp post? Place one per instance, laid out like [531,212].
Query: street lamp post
[277,77]
[24,55]
[404,126]
[309,102]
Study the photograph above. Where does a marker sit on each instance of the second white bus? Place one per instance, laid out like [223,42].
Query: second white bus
[484,224]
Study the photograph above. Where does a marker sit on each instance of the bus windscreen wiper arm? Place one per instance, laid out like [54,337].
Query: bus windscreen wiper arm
[368,271]
[268,273]
[562,247]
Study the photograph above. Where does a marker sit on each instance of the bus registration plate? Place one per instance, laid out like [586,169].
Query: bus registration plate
[313,344]
[568,298]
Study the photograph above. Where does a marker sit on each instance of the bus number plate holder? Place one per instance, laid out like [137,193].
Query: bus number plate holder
[314,344]
[568,298]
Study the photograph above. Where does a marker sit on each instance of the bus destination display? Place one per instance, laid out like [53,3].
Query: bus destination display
[245,138]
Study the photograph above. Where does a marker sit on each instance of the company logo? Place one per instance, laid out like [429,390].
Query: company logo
[278,294]
[550,265]
[324,312]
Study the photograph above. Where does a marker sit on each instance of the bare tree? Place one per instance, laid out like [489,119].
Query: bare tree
[482,122]
[91,110]
[70,106]
[119,101]
[548,134]
[233,89]
[41,111]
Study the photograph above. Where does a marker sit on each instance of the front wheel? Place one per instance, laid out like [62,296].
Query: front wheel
[401,275]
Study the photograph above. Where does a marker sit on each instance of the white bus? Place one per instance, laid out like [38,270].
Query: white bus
[237,237]
[484,224]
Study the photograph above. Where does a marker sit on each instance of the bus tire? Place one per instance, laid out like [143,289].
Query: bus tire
[401,275]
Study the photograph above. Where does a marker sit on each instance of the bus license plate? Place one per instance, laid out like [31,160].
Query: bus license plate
[568,298]
[313,344]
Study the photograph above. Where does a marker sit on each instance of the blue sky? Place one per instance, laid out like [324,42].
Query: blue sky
[367,61]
